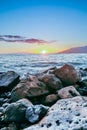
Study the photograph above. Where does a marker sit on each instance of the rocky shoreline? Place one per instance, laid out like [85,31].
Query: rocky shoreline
[55,99]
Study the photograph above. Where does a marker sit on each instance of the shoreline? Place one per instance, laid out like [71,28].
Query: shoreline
[25,103]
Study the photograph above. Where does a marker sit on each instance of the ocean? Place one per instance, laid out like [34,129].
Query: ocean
[25,64]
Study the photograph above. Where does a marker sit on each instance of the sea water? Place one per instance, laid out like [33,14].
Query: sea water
[32,64]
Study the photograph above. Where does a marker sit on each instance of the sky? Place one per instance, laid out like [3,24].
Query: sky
[42,26]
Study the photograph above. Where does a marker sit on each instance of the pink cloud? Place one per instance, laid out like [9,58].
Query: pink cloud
[16,38]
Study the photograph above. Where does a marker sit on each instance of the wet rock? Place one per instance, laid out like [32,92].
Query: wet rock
[6,100]
[8,95]
[5,105]
[24,125]
[82,83]
[25,102]
[50,99]
[82,87]
[15,112]
[83,72]
[68,92]
[85,69]
[4,128]
[35,113]
[29,89]
[50,70]
[33,79]
[52,82]
[1,110]
[65,114]
[13,126]
[1,101]
[8,80]
[68,75]
[82,90]
[5,95]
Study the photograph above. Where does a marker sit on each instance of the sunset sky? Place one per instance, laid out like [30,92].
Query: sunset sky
[42,26]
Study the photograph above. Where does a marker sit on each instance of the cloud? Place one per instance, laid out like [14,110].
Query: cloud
[16,38]
[11,36]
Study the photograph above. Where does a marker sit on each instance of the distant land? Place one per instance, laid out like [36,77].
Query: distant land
[82,49]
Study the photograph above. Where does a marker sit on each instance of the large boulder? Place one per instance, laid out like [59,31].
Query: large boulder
[29,89]
[52,82]
[65,114]
[15,112]
[68,92]
[35,113]
[8,80]
[68,75]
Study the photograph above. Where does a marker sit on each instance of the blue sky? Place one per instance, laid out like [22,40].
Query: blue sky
[64,21]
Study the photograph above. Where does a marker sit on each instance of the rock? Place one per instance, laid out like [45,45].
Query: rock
[25,102]
[1,113]
[52,82]
[8,95]
[82,87]
[33,79]
[8,80]
[6,100]
[15,112]
[4,128]
[50,99]
[65,114]
[13,126]
[85,69]
[28,89]
[50,70]
[5,105]
[1,101]
[5,95]
[83,83]
[24,125]
[68,75]
[68,92]
[82,90]
[35,113]
[2,125]
[1,110]
[83,72]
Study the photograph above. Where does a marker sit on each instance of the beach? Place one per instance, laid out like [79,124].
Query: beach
[52,99]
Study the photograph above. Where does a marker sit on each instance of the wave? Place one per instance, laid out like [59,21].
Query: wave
[25,63]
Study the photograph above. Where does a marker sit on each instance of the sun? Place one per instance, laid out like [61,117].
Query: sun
[44,52]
